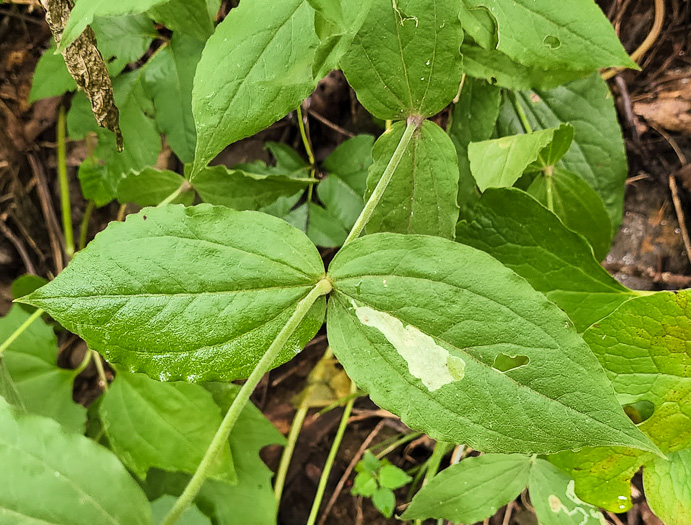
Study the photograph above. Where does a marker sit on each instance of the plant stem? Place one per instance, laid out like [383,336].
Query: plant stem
[170,198]
[12,338]
[84,227]
[305,138]
[85,362]
[521,113]
[101,371]
[323,287]
[331,457]
[397,443]
[440,450]
[64,186]
[412,125]
[287,455]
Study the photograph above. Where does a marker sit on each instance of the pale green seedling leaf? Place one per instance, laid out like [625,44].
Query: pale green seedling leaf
[513,227]
[574,35]
[471,490]
[51,475]
[149,187]
[667,484]
[239,87]
[645,348]
[405,59]
[186,17]
[143,292]
[417,323]
[191,516]
[597,153]
[164,425]
[552,494]
[385,501]
[392,477]
[421,196]
[31,361]
[364,485]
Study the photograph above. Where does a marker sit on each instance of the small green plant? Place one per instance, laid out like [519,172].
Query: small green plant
[466,296]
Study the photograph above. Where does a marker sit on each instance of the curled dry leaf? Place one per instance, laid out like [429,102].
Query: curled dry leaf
[86,65]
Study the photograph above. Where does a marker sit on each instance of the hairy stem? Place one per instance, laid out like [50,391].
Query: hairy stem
[413,124]
[323,287]
[19,331]
[64,186]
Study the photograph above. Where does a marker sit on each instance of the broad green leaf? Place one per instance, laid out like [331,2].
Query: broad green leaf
[124,37]
[164,425]
[573,35]
[471,490]
[54,476]
[667,484]
[597,154]
[405,59]
[192,516]
[169,76]
[31,360]
[51,78]
[241,190]
[188,293]
[149,187]
[323,228]
[242,83]
[418,323]
[480,25]
[645,348]
[421,196]
[524,235]
[578,206]
[84,12]
[185,17]
[552,494]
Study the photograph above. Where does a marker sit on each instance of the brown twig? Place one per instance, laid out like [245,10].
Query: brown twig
[673,188]
[56,240]
[614,518]
[18,245]
[330,124]
[675,280]
[507,514]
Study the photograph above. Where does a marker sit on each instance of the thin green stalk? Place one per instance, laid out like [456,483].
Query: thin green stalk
[397,443]
[19,331]
[303,134]
[521,113]
[101,371]
[84,227]
[319,496]
[323,287]
[170,198]
[433,463]
[64,186]
[287,455]
[413,124]
[85,362]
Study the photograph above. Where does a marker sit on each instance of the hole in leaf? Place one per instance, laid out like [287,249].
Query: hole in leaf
[639,411]
[504,362]
[552,42]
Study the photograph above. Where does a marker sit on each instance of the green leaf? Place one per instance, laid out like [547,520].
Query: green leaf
[405,59]
[578,206]
[552,494]
[51,78]
[124,37]
[392,477]
[421,196]
[31,360]
[84,12]
[164,425]
[369,462]
[186,17]
[24,285]
[54,476]
[541,33]
[471,490]
[597,154]
[287,158]
[169,76]
[385,501]
[192,516]
[432,364]
[143,291]
[323,228]
[364,485]
[149,187]
[524,235]
[480,25]
[667,484]
[240,86]
[241,190]
[644,348]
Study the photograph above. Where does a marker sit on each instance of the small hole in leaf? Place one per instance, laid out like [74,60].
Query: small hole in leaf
[552,42]
[639,411]
[504,362]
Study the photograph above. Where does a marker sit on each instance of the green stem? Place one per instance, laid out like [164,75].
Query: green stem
[319,496]
[64,186]
[323,287]
[397,443]
[287,455]
[170,198]
[84,227]
[521,113]
[85,362]
[433,463]
[12,338]
[101,371]
[305,139]
[412,125]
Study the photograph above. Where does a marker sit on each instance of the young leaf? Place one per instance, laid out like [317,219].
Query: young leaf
[432,364]
[421,197]
[541,33]
[392,477]
[149,187]
[164,425]
[385,501]
[124,37]
[471,490]
[667,484]
[597,154]
[185,17]
[643,346]
[54,476]
[364,485]
[405,59]
[524,235]
[143,291]
[323,228]
[253,71]
[552,494]
[31,360]
[24,285]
